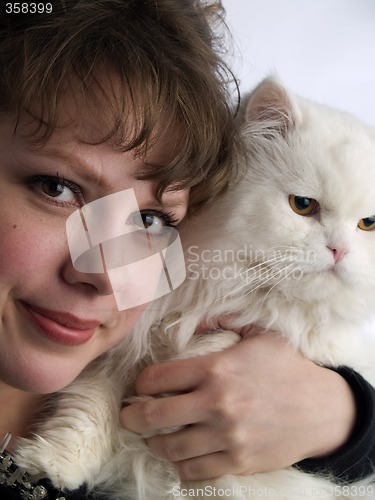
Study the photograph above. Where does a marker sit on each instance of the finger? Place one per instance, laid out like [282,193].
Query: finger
[155,414]
[206,467]
[229,322]
[172,376]
[189,442]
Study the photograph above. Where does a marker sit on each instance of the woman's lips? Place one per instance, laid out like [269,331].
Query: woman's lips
[60,327]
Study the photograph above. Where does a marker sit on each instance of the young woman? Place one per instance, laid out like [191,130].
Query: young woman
[101,97]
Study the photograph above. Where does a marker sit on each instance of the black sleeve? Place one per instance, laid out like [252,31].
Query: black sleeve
[356,459]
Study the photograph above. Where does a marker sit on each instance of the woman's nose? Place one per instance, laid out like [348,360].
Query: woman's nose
[99,282]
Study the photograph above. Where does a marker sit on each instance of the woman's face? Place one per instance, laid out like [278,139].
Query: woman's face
[55,319]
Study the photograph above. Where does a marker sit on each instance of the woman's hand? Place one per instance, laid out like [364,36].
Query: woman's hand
[257,406]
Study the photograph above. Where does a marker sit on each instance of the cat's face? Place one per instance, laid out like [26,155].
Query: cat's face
[308,202]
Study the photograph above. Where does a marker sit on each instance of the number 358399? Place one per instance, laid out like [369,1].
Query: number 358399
[28,8]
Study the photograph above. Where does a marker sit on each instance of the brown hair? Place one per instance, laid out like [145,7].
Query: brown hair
[163,61]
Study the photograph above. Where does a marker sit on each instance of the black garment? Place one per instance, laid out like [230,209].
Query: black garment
[16,484]
[356,459]
[15,493]
[11,493]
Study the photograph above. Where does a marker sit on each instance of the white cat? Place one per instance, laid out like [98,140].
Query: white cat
[291,248]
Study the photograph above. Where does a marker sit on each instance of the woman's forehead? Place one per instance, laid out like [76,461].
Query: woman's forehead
[83,121]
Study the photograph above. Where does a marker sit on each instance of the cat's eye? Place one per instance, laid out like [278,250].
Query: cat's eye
[303,205]
[367,224]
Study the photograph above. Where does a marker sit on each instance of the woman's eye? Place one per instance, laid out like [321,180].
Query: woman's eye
[153,221]
[303,205]
[60,191]
[367,224]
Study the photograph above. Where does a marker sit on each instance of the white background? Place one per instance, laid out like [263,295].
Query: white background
[322,49]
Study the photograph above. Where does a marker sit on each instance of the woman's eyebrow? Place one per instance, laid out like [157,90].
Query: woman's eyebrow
[82,168]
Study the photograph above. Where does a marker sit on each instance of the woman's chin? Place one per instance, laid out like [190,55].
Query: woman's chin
[44,378]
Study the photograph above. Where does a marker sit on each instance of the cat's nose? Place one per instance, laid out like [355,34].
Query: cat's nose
[338,253]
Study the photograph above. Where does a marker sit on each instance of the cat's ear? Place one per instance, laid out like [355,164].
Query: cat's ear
[270,102]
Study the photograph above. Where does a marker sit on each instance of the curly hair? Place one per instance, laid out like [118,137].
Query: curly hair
[156,61]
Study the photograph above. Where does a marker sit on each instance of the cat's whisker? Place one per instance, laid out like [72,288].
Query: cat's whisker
[251,267]
[262,283]
[272,276]
[282,279]
[269,272]
[264,267]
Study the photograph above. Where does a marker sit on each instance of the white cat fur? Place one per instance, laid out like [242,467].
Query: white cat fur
[252,256]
